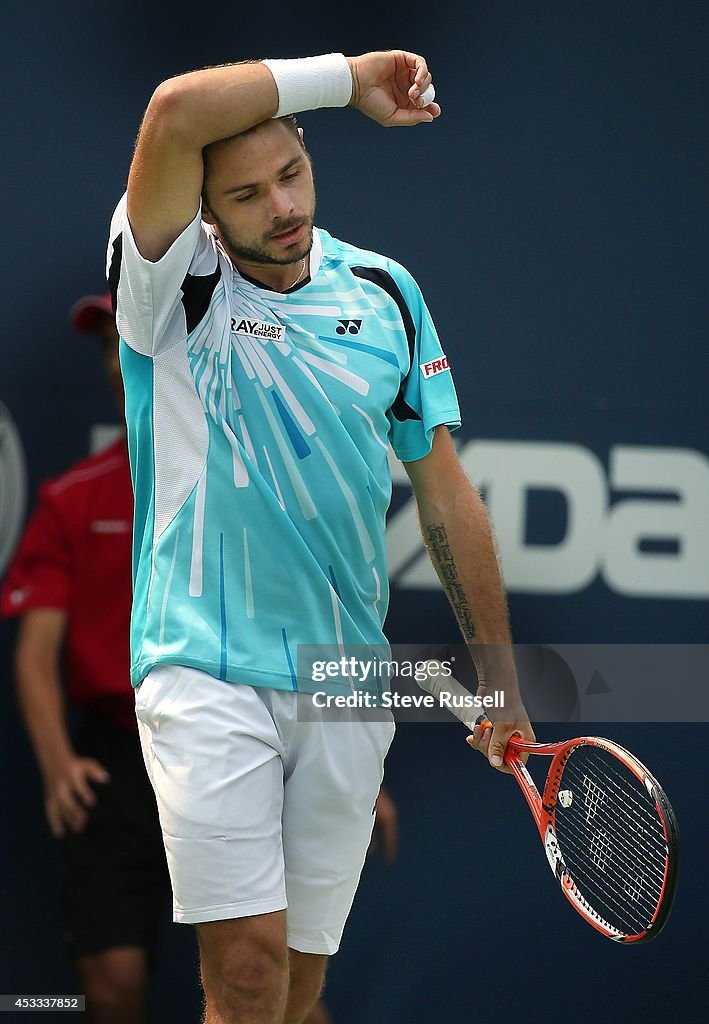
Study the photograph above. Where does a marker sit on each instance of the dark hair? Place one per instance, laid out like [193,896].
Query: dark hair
[289,120]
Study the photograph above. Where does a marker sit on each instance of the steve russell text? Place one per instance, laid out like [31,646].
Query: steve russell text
[359,699]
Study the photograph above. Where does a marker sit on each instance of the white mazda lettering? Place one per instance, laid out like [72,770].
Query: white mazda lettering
[641,546]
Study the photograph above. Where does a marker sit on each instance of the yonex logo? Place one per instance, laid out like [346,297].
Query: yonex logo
[434,367]
[348,326]
[258,329]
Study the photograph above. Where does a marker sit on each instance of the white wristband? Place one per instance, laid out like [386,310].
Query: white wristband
[311,82]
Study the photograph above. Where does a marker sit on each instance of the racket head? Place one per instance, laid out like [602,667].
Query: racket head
[610,836]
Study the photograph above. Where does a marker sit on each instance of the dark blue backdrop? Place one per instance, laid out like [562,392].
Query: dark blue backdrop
[554,219]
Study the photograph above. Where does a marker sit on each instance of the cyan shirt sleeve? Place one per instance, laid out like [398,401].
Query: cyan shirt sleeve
[427,396]
[147,296]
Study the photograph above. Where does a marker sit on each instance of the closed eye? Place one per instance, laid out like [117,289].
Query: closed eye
[251,195]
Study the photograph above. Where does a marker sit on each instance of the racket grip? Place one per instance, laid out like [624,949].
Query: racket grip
[437,684]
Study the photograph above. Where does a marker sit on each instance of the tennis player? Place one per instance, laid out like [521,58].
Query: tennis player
[267,366]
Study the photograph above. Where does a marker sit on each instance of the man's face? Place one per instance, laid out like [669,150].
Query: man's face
[259,194]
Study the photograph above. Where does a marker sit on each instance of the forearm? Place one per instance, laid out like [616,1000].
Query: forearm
[41,702]
[458,536]
[204,106]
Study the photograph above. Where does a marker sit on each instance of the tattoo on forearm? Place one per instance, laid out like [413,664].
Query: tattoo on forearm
[442,557]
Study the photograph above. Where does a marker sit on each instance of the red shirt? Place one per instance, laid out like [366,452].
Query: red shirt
[75,555]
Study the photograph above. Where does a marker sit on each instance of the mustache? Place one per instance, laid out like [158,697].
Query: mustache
[287,226]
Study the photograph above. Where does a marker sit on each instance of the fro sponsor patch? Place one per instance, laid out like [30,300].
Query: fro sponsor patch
[434,367]
[258,329]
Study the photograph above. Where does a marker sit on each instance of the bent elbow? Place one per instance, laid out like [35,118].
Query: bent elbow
[166,110]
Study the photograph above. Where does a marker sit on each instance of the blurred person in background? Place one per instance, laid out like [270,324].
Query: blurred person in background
[70,585]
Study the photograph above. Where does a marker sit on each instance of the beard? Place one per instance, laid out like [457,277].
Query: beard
[238,249]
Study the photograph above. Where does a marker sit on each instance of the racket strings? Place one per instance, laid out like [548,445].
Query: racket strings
[607,903]
[633,897]
[600,852]
[604,897]
[611,838]
[645,811]
[646,844]
[642,836]
[629,841]
[620,912]
[608,848]
[623,790]
[624,909]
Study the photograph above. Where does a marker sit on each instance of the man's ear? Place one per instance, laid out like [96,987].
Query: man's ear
[300,132]
[206,214]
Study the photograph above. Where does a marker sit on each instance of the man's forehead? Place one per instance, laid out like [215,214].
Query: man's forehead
[256,153]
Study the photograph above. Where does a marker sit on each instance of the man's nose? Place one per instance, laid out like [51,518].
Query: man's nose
[281,204]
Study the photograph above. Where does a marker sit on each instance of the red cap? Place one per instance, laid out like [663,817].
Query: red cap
[85,315]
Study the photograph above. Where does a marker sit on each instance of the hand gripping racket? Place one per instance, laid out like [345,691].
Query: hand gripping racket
[609,832]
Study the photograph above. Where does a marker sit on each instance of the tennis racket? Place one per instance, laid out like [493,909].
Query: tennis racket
[609,831]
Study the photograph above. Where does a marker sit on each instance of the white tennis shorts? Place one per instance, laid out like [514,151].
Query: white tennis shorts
[259,811]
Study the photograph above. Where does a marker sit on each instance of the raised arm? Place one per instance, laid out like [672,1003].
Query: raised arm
[189,112]
[457,533]
[184,115]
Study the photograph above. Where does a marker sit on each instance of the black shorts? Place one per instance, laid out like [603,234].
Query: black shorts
[113,875]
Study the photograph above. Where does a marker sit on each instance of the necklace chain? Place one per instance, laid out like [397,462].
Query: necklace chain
[302,271]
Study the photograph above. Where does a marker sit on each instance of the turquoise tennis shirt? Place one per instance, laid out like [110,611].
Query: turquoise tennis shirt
[258,427]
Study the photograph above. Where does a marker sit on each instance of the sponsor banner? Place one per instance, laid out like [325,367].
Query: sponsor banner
[640,524]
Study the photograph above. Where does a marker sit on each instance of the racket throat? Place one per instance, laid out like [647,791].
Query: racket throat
[554,856]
